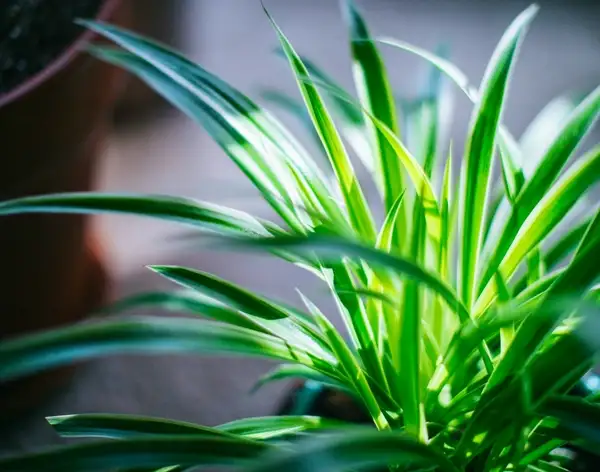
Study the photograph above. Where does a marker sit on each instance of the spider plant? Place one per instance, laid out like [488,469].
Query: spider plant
[469,310]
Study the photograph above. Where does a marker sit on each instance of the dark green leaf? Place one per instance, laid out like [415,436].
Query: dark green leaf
[575,414]
[357,450]
[102,456]
[126,426]
[223,291]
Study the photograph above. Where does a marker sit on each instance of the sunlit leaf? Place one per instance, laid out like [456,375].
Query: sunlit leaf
[480,150]
[374,91]
[357,208]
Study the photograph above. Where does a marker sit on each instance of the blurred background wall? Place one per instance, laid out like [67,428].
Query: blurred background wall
[155,149]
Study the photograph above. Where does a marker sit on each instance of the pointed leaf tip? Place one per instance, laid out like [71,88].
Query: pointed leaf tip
[352,16]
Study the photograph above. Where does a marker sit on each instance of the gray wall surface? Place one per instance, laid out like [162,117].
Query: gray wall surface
[233,38]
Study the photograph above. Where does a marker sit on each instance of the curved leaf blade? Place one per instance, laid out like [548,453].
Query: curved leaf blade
[333,247]
[576,415]
[186,83]
[295,371]
[269,427]
[543,130]
[223,291]
[546,215]
[154,452]
[356,205]
[375,94]
[94,425]
[185,301]
[359,449]
[480,150]
[535,189]
[129,426]
[248,148]
[512,171]
[147,335]
[577,126]
[177,209]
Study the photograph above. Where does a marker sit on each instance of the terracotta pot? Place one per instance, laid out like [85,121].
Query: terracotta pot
[52,128]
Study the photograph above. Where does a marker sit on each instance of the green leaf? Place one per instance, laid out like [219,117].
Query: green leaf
[341,106]
[580,274]
[186,302]
[555,254]
[180,210]
[352,124]
[247,118]
[297,109]
[257,142]
[297,326]
[418,176]
[128,426]
[562,148]
[30,354]
[535,268]
[539,288]
[331,248]
[356,204]
[350,365]
[449,69]
[571,134]
[564,246]
[572,354]
[507,333]
[414,170]
[472,334]
[499,203]
[375,94]
[575,414]
[543,130]
[354,314]
[355,449]
[248,148]
[288,371]
[526,376]
[269,427]
[428,118]
[223,291]
[94,425]
[385,238]
[410,335]
[480,151]
[543,466]
[550,210]
[442,325]
[139,452]
[510,158]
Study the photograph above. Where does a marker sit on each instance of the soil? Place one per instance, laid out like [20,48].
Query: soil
[35,32]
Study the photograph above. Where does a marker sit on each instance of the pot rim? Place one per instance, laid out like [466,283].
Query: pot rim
[62,61]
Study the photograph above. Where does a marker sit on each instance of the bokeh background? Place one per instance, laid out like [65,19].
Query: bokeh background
[156,149]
